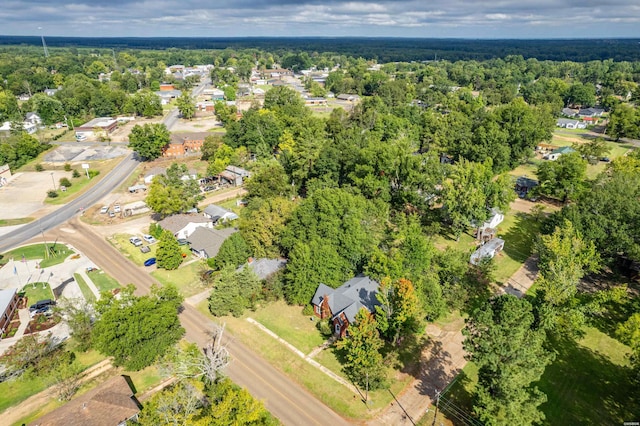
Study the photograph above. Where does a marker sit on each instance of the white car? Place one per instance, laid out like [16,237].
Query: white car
[116,208]
[135,241]
[104,210]
[149,238]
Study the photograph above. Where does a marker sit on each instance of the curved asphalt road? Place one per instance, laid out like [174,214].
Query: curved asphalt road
[110,182]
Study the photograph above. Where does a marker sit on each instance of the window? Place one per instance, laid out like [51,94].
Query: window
[317,309]
[337,328]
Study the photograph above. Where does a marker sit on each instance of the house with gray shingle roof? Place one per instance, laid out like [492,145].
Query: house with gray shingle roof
[183,225]
[206,242]
[342,304]
[264,268]
[217,213]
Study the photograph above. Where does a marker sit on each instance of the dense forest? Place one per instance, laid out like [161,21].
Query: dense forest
[381,49]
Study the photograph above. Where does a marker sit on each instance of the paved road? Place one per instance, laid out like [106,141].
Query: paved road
[171,118]
[118,175]
[287,400]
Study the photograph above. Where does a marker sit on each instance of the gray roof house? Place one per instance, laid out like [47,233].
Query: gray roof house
[183,225]
[341,305]
[217,213]
[567,123]
[487,250]
[264,268]
[206,242]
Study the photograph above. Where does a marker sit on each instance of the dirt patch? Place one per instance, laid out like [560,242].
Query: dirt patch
[26,192]
[203,122]
[121,134]
[84,152]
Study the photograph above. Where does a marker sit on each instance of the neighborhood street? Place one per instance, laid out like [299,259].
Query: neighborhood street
[287,400]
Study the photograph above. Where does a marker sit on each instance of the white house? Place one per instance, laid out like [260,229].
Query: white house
[487,250]
[556,153]
[183,225]
[570,124]
[33,118]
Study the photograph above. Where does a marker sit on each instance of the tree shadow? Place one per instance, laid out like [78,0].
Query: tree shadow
[584,387]
[436,370]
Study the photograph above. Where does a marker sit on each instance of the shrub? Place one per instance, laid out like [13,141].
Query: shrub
[39,167]
[75,174]
[52,194]
[67,167]
[308,310]
[65,182]
[324,327]
[155,230]
[93,173]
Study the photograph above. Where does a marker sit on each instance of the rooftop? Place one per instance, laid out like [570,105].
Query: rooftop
[6,296]
[209,240]
[350,297]
[99,122]
[178,221]
[264,267]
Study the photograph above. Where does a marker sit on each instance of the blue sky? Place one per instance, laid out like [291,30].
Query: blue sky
[290,18]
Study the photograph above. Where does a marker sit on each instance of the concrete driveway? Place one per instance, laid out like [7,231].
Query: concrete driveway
[25,193]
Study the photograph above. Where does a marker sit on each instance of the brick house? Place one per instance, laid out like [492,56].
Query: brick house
[8,305]
[342,304]
[183,144]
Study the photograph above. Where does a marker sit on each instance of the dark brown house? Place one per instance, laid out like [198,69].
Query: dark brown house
[8,305]
[342,304]
[110,404]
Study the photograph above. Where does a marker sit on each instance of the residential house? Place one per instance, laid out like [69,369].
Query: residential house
[184,143]
[7,126]
[545,147]
[591,112]
[488,228]
[218,214]
[8,304]
[264,268]
[217,95]
[524,185]
[341,305]
[152,173]
[315,101]
[104,125]
[113,403]
[50,92]
[183,225]
[235,175]
[205,242]
[33,118]
[24,97]
[487,250]
[166,87]
[569,112]
[167,95]
[566,123]
[258,92]
[207,106]
[556,153]
[348,97]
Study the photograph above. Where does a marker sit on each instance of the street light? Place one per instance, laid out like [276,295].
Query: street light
[54,181]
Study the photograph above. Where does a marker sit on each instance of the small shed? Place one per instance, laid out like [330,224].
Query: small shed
[487,251]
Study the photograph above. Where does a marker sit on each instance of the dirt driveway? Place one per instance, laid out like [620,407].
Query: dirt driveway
[25,193]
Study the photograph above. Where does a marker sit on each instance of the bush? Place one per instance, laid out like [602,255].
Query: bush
[93,173]
[39,167]
[52,194]
[67,167]
[155,230]
[324,327]
[308,310]
[65,182]
[75,174]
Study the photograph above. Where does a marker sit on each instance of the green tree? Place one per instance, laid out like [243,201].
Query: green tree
[397,313]
[565,257]
[168,254]
[268,180]
[361,350]
[629,333]
[186,105]
[593,150]
[136,331]
[170,193]
[624,122]
[509,352]
[262,223]
[234,251]
[78,314]
[564,178]
[178,404]
[149,140]
[231,405]
[234,292]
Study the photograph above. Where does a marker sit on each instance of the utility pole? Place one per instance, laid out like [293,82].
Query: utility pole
[435,415]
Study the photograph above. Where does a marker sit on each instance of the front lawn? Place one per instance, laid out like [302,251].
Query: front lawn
[84,288]
[185,278]
[37,291]
[103,281]
[57,254]
[121,242]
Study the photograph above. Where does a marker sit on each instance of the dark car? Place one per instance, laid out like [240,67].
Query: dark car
[605,159]
[150,261]
[41,304]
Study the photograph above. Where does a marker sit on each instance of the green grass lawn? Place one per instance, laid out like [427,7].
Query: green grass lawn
[587,383]
[80,184]
[121,242]
[39,251]
[145,379]
[288,322]
[103,281]
[84,288]
[18,221]
[42,291]
[185,278]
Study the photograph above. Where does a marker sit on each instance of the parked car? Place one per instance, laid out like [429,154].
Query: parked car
[116,208]
[40,311]
[104,210]
[145,249]
[209,188]
[41,304]
[605,159]
[91,268]
[149,238]
[150,261]
[182,242]
[112,214]
[135,241]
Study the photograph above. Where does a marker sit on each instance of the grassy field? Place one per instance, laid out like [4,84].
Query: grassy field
[18,221]
[103,281]
[587,383]
[145,379]
[80,184]
[38,251]
[84,288]
[37,291]
[186,278]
